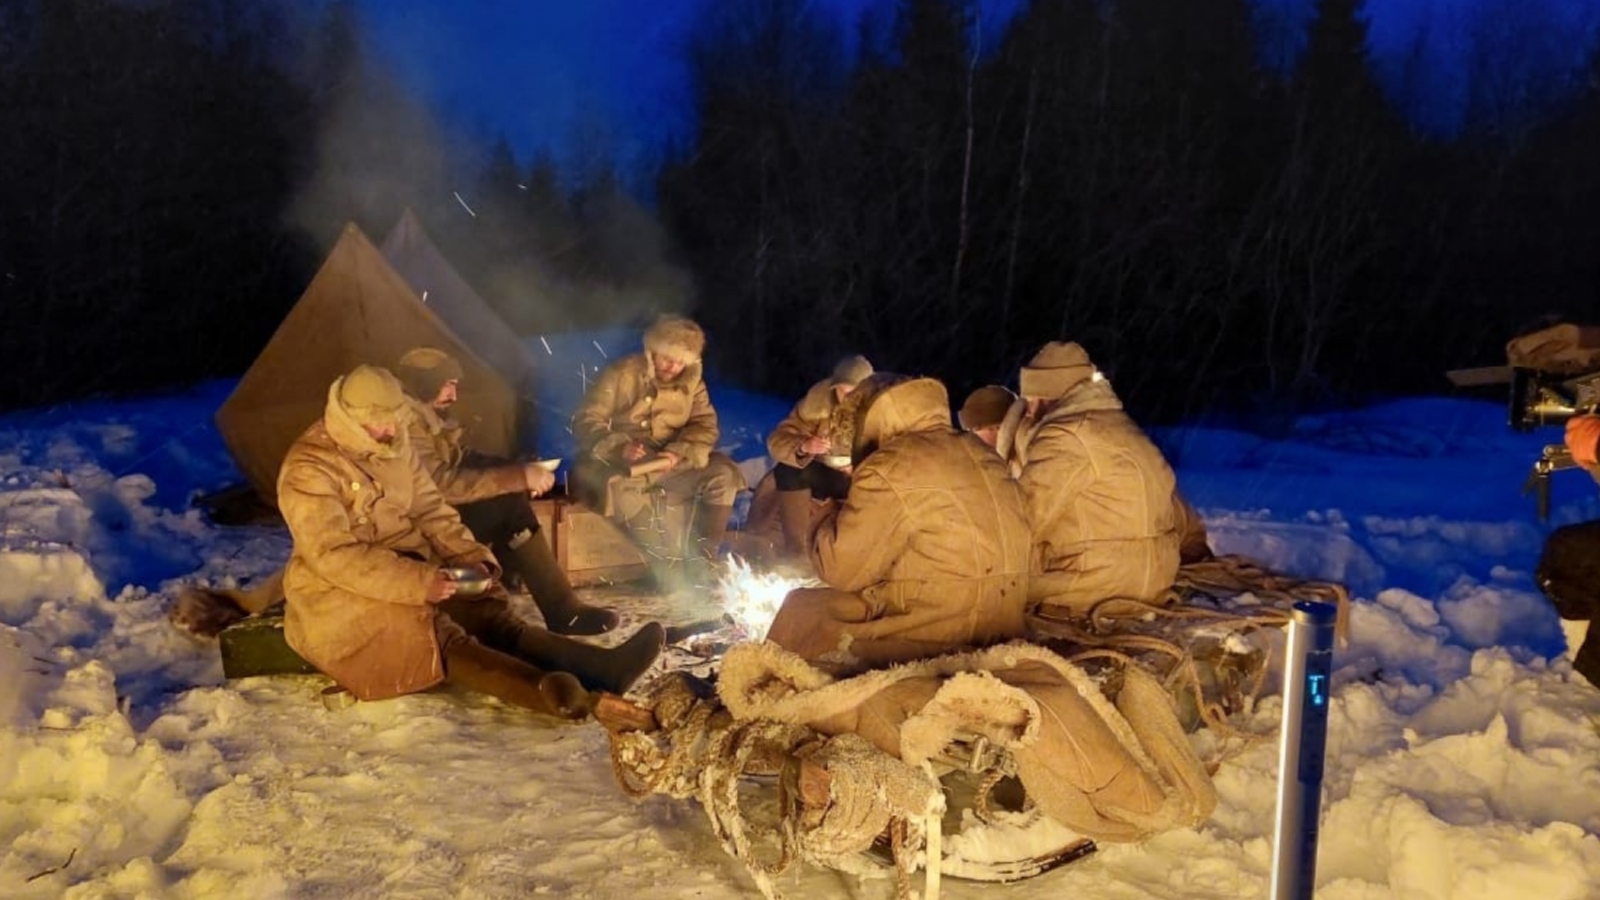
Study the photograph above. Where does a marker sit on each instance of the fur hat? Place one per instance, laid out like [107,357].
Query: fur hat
[424,370]
[850,371]
[1057,368]
[985,407]
[676,337]
[370,394]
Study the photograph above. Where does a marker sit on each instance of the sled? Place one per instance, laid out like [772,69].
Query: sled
[782,790]
[770,753]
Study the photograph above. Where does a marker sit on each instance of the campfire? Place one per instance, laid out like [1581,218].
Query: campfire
[751,598]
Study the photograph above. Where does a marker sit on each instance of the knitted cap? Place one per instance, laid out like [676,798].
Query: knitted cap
[371,394]
[1057,368]
[851,370]
[985,407]
[424,370]
[676,338]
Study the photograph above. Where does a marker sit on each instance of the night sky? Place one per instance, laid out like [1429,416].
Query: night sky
[550,73]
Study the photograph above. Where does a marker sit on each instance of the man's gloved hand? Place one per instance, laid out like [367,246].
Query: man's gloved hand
[1583,433]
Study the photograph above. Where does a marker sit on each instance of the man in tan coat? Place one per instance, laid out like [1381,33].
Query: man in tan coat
[808,462]
[647,436]
[1100,496]
[930,549]
[491,494]
[368,603]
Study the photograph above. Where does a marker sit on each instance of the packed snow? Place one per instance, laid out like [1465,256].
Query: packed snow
[1463,753]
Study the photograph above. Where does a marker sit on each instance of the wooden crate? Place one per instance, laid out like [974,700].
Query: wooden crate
[590,547]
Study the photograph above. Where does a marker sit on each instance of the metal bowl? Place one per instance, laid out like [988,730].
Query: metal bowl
[470,582]
[549,465]
[335,698]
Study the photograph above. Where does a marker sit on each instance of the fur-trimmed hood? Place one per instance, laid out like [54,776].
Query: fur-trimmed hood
[345,428]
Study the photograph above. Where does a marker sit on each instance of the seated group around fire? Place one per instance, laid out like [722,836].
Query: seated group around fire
[927,537]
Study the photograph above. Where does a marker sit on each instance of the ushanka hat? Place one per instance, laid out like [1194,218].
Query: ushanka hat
[850,371]
[424,370]
[676,338]
[1057,368]
[986,407]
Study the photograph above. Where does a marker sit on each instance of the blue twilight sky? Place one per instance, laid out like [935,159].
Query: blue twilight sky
[553,74]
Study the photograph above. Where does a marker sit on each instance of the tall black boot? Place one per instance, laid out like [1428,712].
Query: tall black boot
[612,669]
[563,612]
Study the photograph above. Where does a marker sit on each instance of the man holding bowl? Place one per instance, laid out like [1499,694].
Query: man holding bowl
[369,601]
[491,494]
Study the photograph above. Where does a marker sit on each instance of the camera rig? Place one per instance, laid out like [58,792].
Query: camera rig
[1546,398]
[1553,374]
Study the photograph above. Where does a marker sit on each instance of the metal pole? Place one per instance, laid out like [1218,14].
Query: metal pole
[1308,663]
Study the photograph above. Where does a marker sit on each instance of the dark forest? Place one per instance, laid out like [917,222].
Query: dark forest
[1227,238]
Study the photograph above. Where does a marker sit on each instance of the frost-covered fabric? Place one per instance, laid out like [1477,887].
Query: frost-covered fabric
[1112,771]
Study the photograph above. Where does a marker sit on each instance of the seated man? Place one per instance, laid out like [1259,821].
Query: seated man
[1101,498]
[929,550]
[491,495]
[647,434]
[993,413]
[804,450]
[368,604]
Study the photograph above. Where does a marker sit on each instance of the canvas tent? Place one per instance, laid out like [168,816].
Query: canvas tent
[357,309]
[414,255]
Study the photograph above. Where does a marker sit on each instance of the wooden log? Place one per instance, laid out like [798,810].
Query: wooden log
[619,715]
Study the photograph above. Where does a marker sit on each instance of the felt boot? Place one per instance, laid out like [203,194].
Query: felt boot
[471,665]
[612,669]
[529,555]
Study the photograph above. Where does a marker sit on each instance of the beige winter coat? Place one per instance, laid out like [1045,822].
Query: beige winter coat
[357,607]
[628,404]
[811,417]
[928,552]
[1117,769]
[1100,501]
[438,445]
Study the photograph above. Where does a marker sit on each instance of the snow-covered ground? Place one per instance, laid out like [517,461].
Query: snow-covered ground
[1463,756]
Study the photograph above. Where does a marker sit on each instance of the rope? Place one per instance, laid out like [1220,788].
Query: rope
[1102,633]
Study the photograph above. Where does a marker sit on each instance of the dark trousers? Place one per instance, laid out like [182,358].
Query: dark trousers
[824,482]
[494,521]
[1569,574]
